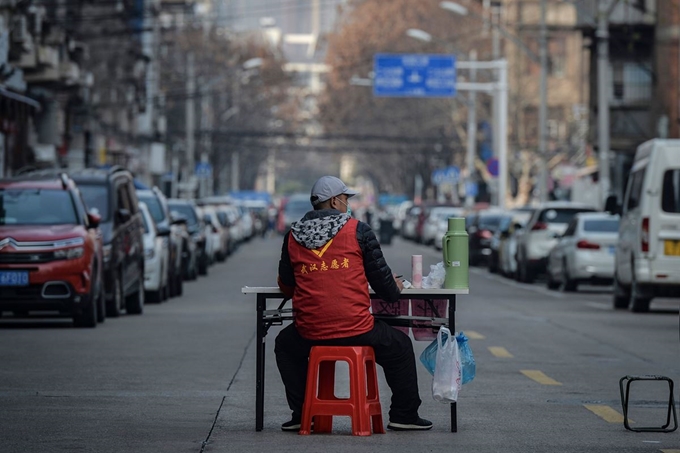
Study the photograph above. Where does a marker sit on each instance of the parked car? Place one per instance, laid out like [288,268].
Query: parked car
[410,223]
[481,228]
[156,258]
[296,206]
[584,253]
[494,259]
[110,193]
[218,234]
[442,223]
[212,238]
[546,224]
[436,224]
[194,257]
[50,249]
[507,248]
[157,205]
[647,259]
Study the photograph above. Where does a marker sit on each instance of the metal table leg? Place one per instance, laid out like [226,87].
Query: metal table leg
[259,373]
[452,327]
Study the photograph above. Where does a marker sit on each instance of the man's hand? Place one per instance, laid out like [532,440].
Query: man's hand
[400,285]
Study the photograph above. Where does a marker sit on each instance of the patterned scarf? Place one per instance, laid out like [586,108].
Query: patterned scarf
[313,233]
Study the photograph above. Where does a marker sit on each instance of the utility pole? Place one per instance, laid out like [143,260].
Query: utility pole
[543,107]
[502,94]
[190,120]
[496,112]
[602,35]
[471,132]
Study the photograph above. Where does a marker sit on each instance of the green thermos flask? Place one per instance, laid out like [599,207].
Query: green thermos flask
[455,246]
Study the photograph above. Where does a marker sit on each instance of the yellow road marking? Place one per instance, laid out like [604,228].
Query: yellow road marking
[540,377]
[472,335]
[606,413]
[670,451]
[498,351]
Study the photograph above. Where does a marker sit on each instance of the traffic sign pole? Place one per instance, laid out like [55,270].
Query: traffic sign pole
[407,76]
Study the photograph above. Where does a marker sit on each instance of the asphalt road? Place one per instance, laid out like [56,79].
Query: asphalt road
[180,378]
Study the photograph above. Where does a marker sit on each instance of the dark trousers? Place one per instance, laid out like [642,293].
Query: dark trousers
[393,352]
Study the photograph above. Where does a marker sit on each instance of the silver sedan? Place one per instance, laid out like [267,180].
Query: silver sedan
[584,253]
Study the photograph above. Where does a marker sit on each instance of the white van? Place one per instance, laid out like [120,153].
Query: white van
[647,262]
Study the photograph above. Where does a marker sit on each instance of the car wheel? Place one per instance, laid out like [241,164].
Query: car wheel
[525,274]
[203,265]
[568,285]
[179,282]
[621,297]
[638,303]
[87,316]
[549,282]
[153,296]
[113,305]
[134,303]
[101,304]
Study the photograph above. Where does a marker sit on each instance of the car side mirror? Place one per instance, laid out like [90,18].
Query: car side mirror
[93,219]
[612,205]
[124,215]
[163,231]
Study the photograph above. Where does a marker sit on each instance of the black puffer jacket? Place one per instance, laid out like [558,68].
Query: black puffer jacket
[378,273]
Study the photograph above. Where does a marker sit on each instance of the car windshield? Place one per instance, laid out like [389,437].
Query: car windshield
[445,213]
[601,226]
[490,223]
[187,211]
[560,215]
[296,209]
[154,205]
[96,197]
[36,207]
[505,223]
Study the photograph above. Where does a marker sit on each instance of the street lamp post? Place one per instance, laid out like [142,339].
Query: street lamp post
[499,91]
[543,61]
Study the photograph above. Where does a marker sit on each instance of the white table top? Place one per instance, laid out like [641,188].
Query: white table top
[418,291]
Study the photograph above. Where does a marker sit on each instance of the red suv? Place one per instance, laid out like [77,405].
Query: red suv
[50,249]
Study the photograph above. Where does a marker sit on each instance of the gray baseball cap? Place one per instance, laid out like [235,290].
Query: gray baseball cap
[327,187]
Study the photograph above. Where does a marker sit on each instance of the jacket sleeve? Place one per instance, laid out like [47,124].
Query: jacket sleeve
[286,280]
[378,273]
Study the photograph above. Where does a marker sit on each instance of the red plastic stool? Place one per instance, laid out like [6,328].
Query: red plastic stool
[363,404]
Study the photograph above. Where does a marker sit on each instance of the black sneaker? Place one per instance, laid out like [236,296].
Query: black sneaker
[291,425]
[419,425]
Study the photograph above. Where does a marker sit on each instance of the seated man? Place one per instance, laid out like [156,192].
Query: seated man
[327,262]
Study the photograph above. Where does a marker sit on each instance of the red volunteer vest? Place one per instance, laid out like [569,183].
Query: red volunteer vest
[331,291]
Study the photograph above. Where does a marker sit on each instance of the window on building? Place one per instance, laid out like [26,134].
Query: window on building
[631,82]
[557,55]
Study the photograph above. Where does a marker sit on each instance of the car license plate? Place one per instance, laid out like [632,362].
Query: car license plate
[612,249]
[13,278]
[671,248]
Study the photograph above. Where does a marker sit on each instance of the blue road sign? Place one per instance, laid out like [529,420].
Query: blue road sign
[414,75]
[203,170]
[448,175]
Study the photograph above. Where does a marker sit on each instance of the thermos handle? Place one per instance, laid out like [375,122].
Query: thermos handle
[447,262]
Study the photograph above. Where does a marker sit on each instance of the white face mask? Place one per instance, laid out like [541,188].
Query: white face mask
[349,210]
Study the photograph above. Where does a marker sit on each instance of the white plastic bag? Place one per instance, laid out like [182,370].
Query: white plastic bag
[436,277]
[447,373]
